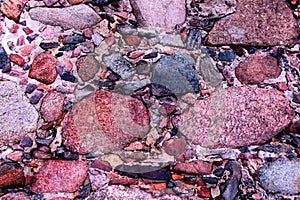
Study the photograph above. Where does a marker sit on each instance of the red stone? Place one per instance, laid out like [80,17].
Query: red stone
[44,68]
[100,164]
[174,146]
[59,176]
[237,116]
[257,68]
[26,50]
[11,177]
[282,86]
[204,192]
[52,106]
[19,60]
[123,181]
[195,167]
[14,28]
[104,121]
[27,31]
[12,9]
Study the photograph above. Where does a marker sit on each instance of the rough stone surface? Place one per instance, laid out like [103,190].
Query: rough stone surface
[163,14]
[175,146]
[176,73]
[59,176]
[103,122]
[17,116]
[257,68]
[77,17]
[43,68]
[11,177]
[52,106]
[16,196]
[87,67]
[12,9]
[195,167]
[3,57]
[282,175]
[50,2]
[119,65]
[237,116]
[256,23]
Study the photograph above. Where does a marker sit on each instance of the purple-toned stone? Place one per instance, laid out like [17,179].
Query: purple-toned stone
[36,96]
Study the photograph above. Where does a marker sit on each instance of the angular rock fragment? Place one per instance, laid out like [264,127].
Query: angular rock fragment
[237,116]
[17,116]
[257,68]
[159,13]
[104,121]
[78,16]
[12,9]
[282,175]
[59,176]
[256,23]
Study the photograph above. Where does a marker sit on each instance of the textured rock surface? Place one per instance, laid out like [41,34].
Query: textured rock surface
[119,65]
[282,175]
[237,117]
[176,73]
[52,106]
[16,196]
[17,116]
[256,23]
[257,68]
[160,13]
[59,176]
[11,177]
[103,122]
[195,167]
[44,68]
[13,8]
[87,67]
[3,57]
[77,17]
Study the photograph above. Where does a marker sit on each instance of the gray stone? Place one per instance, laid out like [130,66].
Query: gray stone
[129,88]
[3,57]
[119,65]
[176,73]
[17,116]
[77,17]
[172,40]
[282,175]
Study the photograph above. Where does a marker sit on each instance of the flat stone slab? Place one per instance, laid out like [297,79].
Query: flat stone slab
[159,13]
[256,23]
[59,176]
[237,116]
[77,16]
[282,175]
[17,116]
[103,122]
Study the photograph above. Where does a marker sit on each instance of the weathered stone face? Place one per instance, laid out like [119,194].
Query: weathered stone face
[17,116]
[104,121]
[256,23]
[237,116]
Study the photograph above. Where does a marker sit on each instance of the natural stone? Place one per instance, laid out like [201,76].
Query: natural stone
[257,68]
[281,176]
[17,116]
[43,68]
[237,116]
[78,16]
[15,196]
[176,73]
[11,177]
[87,67]
[174,146]
[59,176]
[12,9]
[256,23]
[3,57]
[163,14]
[50,2]
[195,167]
[119,65]
[104,121]
[52,106]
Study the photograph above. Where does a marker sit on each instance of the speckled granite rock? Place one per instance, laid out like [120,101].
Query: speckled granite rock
[282,175]
[256,23]
[52,106]
[237,116]
[17,116]
[104,121]
[77,16]
[59,176]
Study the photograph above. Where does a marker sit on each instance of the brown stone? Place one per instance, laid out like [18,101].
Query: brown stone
[257,68]
[174,146]
[100,164]
[256,23]
[11,177]
[12,9]
[19,60]
[59,176]
[204,192]
[104,121]
[43,68]
[195,167]
[295,127]
[237,116]
[87,67]
[52,106]
[132,40]
[159,13]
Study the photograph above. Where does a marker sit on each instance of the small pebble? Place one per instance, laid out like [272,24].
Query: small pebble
[30,38]
[35,98]
[27,31]
[68,47]
[227,55]
[151,55]
[6,68]
[49,45]
[26,141]
[68,77]
[75,39]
